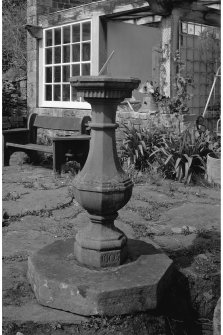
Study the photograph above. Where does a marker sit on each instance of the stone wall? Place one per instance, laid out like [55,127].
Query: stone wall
[32,57]
[175,123]
[61,112]
[50,6]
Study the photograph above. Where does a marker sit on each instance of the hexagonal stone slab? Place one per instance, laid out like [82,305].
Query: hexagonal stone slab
[60,282]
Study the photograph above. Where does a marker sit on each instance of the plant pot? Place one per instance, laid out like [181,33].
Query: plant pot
[213,168]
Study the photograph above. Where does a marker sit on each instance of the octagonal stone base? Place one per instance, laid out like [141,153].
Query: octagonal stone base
[60,282]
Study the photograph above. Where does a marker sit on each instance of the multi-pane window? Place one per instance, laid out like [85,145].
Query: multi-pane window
[67,53]
[197,29]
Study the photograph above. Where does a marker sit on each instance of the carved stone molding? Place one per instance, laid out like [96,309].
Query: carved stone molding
[34,31]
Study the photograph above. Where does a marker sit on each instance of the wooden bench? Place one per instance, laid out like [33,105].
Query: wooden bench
[25,139]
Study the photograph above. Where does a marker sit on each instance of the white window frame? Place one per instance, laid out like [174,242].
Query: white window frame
[60,104]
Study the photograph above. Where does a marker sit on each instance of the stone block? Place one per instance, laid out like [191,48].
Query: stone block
[31,11]
[32,19]
[217,319]
[124,115]
[188,117]
[137,122]
[32,54]
[31,47]
[31,95]
[31,3]
[32,78]
[44,111]
[60,282]
[144,116]
[134,115]
[48,3]
[31,65]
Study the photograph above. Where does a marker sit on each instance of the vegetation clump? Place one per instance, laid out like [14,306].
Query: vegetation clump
[176,156]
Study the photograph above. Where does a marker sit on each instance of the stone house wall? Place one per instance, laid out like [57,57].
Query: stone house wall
[50,6]
[37,15]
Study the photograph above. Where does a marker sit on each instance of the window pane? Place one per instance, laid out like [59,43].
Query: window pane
[49,38]
[86,31]
[76,32]
[66,54]
[57,36]
[49,56]
[190,28]
[85,69]
[76,53]
[197,30]
[217,34]
[48,92]
[76,70]
[48,74]
[57,55]
[66,34]
[57,92]
[184,27]
[74,94]
[86,51]
[66,73]
[57,74]
[66,92]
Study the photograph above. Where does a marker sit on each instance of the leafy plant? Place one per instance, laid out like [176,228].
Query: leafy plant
[188,157]
[177,104]
[14,48]
[142,146]
[44,139]
[178,156]
[214,143]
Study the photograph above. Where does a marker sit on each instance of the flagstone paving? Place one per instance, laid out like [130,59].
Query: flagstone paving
[39,209]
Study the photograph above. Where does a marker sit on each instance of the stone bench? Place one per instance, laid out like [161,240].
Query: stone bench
[25,139]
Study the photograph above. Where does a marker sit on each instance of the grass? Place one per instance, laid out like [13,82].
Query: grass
[11,196]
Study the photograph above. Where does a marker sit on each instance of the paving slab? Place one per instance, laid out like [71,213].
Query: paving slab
[18,241]
[14,193]
[27,203]
[217,319]
[131,217]
[70,212]
[19,174]
[193,215]
[150,193]
[33,311]
[175,242]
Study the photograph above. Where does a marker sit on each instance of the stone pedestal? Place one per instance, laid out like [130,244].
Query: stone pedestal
[100,271]
[102,187]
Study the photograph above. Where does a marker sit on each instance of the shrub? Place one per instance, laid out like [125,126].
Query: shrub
[179,156]
[142,146]
[182,84]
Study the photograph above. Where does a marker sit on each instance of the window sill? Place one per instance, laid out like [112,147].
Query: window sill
[65,105]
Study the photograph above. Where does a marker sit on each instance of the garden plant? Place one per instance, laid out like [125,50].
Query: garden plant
[177,156]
